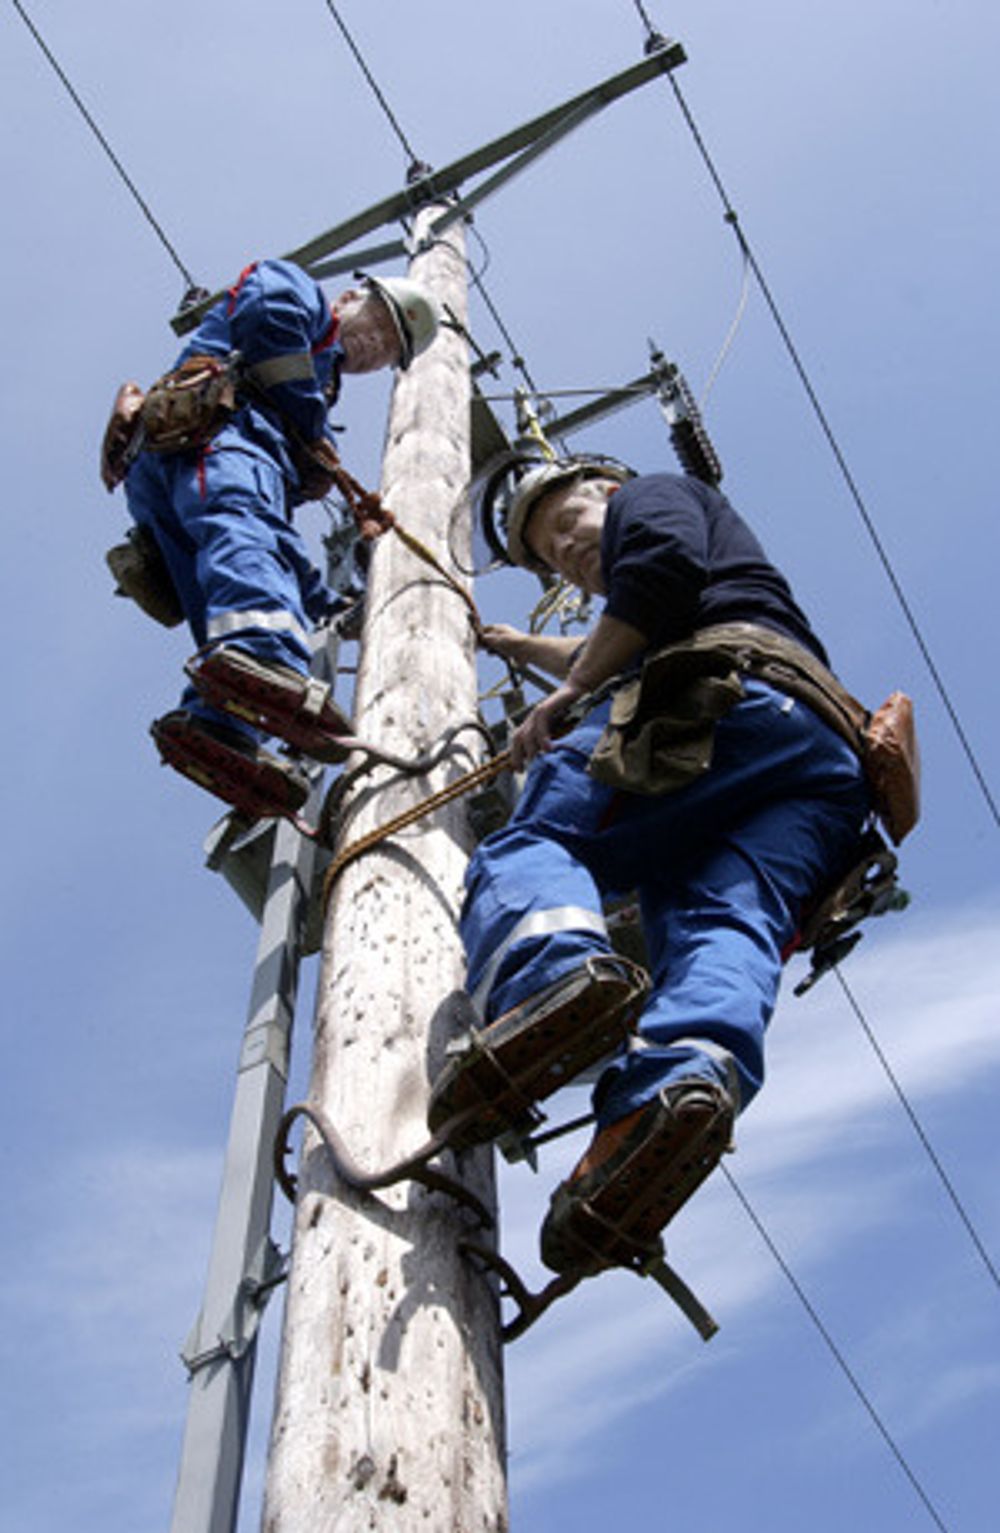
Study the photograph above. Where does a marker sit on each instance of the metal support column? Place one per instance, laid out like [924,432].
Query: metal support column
[244,1265]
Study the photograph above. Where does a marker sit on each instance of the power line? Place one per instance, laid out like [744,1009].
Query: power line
[380,97]
[116,162]
[918,1128]
[651,32]
[516,356]
[835,1350]
[732,218]
[416,164]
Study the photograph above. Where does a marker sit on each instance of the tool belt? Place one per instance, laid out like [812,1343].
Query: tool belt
[661,729]
[141,573]
[187,406]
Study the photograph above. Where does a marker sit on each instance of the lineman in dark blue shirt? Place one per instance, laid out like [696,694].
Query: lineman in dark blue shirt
[220,511]
[767,816]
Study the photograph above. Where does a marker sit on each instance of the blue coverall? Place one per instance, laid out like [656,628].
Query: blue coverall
[722,866]
[221,516]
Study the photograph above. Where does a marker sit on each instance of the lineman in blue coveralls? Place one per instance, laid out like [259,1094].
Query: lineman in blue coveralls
[221,514]
[722,865]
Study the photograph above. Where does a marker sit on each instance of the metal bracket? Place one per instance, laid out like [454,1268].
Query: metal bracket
[869,889]
[533,1305]
[435,186]
[267,1269]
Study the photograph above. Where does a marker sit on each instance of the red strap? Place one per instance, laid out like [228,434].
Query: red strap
[329,335]
[234,291]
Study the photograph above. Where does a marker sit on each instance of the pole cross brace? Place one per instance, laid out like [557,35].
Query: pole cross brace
[267,1269]
[517,146]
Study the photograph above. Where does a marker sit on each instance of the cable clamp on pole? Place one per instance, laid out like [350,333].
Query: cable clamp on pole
[265,1272]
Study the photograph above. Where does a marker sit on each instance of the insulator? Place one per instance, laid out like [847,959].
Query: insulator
[695,452]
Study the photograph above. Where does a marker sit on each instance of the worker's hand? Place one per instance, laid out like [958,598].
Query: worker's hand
[501,639]
[542,725]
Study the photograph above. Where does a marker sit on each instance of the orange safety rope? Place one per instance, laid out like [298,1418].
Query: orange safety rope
[465,784]
[372,519]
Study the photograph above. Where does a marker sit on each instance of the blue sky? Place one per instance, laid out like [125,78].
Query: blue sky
[859,145]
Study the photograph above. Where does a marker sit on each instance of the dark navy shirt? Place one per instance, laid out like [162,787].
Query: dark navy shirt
[676,557]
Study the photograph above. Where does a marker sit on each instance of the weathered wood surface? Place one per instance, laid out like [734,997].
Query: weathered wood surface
[390,1409]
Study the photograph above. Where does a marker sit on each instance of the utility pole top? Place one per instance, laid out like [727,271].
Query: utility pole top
[520,147]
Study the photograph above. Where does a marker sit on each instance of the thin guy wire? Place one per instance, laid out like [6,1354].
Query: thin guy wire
[116,162]
[835,1350]
[517,360]
[379,95]
[730,335]
[487,255]
[918,1128]
[732,218]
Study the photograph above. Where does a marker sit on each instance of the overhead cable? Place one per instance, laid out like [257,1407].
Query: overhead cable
[517,357]
[918,1129]
[732,218]
[378,93]
[102,140]
[835,1350]
[651,33]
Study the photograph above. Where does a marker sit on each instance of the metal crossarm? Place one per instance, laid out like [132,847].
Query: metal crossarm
[521,145]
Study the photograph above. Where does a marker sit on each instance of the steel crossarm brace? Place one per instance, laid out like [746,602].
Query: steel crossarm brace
[614,399]
[360,260]
[372,254]
[438,185]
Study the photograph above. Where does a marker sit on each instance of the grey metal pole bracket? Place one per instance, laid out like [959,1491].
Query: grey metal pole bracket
[266,1271]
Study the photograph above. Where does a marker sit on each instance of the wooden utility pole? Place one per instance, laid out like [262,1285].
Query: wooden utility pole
[390,1407]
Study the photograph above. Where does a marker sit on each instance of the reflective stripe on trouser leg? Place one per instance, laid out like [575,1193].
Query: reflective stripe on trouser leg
[220,518]
[532,869]
[222,625]
[532,915]
[538,923]
[688,1057]
[782,805]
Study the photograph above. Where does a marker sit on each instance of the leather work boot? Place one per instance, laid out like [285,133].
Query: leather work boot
[634,1177]
[230,765]
[274,699]
[498,1073]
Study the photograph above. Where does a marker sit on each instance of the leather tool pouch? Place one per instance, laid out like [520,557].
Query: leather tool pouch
[892,764]
[186,407]
[661,730]
[660,733]
[120,441]
[141,574]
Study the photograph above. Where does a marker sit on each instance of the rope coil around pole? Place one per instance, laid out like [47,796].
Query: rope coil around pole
[465,784]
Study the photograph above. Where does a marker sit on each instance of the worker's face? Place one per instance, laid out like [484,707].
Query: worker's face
[564,531]
[367,332]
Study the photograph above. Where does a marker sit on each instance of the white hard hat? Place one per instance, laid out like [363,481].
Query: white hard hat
[414,312]
[539,482]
